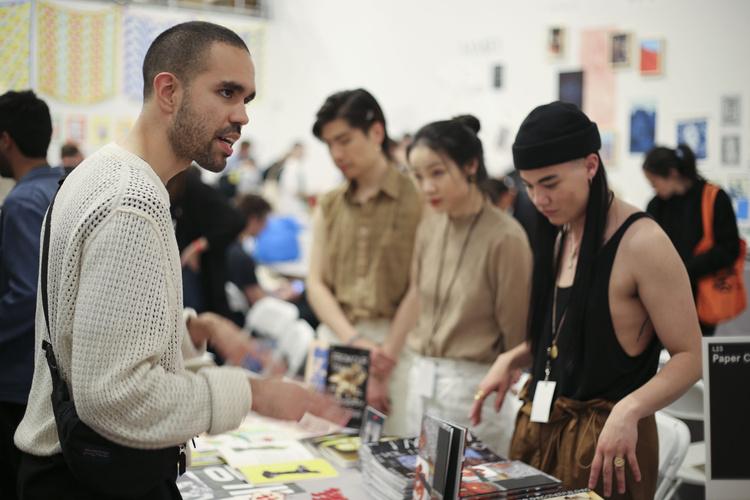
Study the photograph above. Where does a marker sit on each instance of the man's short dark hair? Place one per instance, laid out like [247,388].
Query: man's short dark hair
[360,110]
[68,150]
[252,205]
[26,119]
[181,50]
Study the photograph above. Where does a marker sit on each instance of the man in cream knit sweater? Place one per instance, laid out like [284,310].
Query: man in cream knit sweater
[115,300]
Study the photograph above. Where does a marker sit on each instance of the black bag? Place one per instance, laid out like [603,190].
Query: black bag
[97,463]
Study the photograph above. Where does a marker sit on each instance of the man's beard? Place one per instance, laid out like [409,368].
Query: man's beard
[187,136]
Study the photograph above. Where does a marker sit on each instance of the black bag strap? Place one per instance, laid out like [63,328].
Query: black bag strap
[47,346]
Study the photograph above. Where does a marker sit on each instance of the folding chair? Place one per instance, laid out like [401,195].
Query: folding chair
[674,439]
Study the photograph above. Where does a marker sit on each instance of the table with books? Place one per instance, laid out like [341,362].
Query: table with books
[267,459]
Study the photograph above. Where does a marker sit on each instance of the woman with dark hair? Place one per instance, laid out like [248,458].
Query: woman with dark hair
[363,236]
[468,297]
[608,291]
[677,207]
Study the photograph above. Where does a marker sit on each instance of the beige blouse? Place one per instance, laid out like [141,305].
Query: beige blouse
[369,247]
[485,311]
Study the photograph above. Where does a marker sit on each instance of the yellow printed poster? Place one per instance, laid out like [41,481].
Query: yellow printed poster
[76,52]
[288,471]
[15,31]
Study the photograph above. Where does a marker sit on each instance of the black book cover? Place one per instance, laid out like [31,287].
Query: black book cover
[348,370]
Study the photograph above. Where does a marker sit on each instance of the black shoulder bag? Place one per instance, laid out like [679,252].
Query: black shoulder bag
[96,462]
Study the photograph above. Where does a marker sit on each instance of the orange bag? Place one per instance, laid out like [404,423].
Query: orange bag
[721,295]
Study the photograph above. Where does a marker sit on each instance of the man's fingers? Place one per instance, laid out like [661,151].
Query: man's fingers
[326,407]
[620,474]
[475,414]
[607,475]
[633,461]
[499,400]
[596,468]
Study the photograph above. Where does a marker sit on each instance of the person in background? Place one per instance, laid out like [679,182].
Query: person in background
[293,184]
[677,207]
[241,175]
[116,320]
[398,151]
[502,193]
[363,238]
[241,266]
[608,292]
[467,300]
[25,132]
[70,156]
[205,225]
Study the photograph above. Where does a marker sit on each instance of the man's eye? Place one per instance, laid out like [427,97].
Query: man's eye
[225,93]
[549,186]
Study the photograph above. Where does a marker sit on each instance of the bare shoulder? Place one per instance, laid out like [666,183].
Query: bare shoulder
[647,247]
[646,237]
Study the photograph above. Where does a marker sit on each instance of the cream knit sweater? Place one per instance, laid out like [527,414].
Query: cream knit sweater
[115,303]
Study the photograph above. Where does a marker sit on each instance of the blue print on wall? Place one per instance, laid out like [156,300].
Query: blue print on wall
[642,129]
[693,133]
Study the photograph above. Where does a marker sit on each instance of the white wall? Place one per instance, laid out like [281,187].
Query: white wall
[427,60]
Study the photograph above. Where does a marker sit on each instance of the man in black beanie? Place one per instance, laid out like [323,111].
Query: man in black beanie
[608,291]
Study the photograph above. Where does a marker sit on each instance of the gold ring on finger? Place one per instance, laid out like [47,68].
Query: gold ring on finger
[619,462]
[478,395]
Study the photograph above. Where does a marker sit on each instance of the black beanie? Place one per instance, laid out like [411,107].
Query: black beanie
[554,133]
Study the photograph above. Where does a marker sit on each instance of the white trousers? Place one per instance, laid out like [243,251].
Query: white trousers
[446,387]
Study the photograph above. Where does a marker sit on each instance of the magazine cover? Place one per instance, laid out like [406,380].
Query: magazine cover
[439,460]
[348,369]
[398,457]
[372,425]
[508,476]
[477,452]
[218,482]
[291,471]
[341,449]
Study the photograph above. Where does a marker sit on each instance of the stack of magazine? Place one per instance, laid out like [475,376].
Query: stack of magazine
[505,479]
[388,468]
[341,449]
[450,463]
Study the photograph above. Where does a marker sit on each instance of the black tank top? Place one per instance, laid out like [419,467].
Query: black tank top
[604,370]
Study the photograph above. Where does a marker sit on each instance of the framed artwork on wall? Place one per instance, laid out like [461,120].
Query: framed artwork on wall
[694,133]
[652,56]
[642,127]
[556,42]
[570,88]
[619,53]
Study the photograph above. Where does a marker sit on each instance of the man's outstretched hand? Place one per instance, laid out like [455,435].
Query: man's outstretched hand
[277,398]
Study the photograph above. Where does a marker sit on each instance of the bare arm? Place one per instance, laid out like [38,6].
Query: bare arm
[664,290]
[253,293]
[499,378]
[404,321]
[321,298]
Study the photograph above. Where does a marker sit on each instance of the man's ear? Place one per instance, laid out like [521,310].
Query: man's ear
[592,165]
[167,92]
[377,132]
[6,141]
